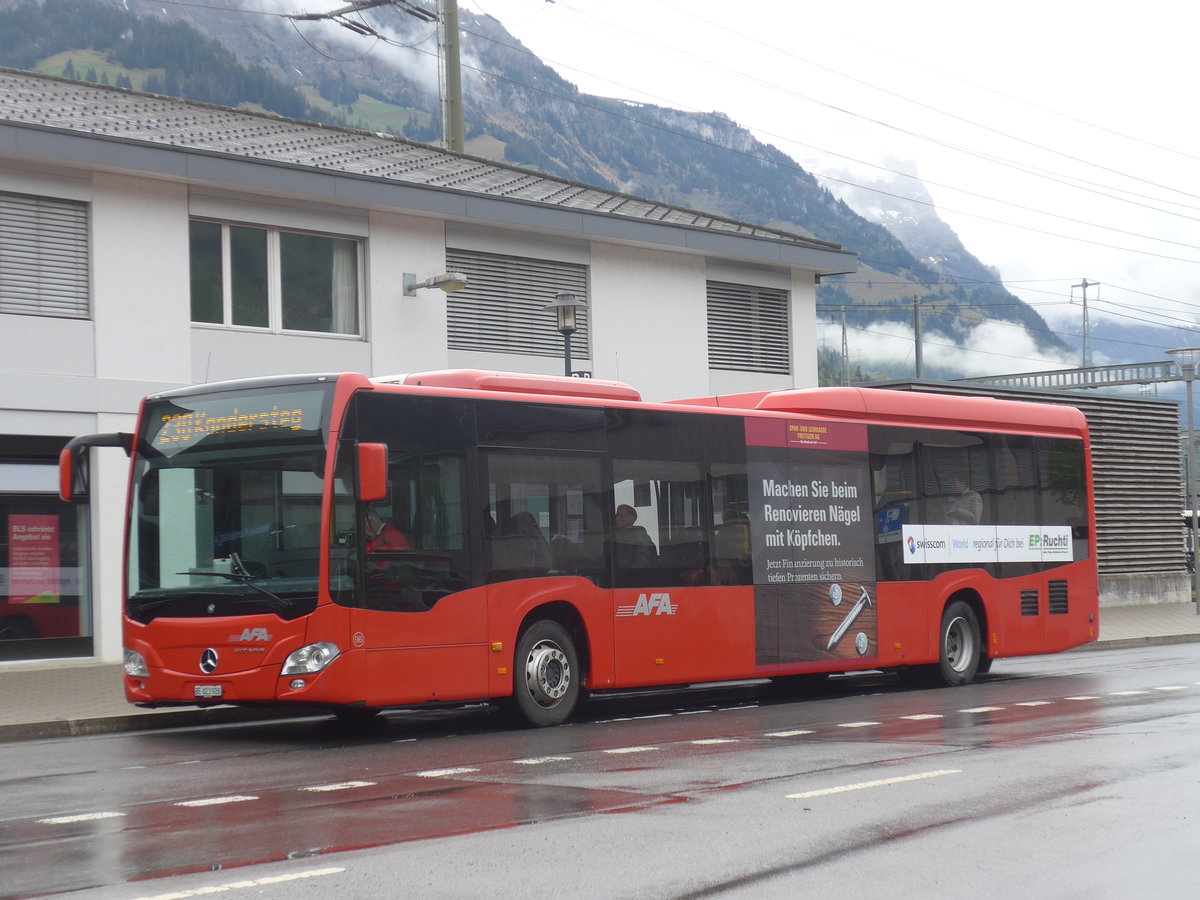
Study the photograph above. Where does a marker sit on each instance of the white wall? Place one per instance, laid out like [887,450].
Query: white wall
[804,321]
[407,334]
[649,320]
[140,279]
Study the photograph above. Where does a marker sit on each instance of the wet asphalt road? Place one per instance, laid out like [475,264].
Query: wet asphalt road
[1075,775]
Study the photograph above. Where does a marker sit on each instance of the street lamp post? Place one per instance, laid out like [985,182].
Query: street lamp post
[565,306]
[1187,358]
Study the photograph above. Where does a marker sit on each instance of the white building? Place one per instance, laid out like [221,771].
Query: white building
[148,243]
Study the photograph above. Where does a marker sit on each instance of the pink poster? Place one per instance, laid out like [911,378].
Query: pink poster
[33,559]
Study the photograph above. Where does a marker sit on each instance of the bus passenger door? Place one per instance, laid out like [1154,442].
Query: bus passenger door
[422,626]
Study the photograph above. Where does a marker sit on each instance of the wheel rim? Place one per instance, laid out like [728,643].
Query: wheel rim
[959,644]
[547,673]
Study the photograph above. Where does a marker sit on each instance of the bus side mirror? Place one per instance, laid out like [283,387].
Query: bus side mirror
[372,472]
[72,462]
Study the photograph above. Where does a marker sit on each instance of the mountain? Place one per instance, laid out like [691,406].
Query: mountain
[382,76]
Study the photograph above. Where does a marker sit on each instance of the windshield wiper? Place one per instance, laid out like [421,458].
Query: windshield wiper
[241,576]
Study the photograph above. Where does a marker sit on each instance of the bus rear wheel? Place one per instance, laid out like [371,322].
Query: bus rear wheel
[960,644]
[546,674]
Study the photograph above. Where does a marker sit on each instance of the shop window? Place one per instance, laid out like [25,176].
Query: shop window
[44,611]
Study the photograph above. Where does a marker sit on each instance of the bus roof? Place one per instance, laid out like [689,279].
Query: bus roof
[517,383]
[844,403]
[887,406]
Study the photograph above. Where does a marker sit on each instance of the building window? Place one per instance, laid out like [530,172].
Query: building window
[503,307]
[249,277]
[748,328]
[43,257]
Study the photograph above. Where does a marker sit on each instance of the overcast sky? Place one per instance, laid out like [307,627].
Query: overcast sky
[1057,138]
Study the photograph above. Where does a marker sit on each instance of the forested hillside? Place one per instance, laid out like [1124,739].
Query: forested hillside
[141,52]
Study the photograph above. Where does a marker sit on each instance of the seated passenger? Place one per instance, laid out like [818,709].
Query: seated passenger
[633,547]
[521,545]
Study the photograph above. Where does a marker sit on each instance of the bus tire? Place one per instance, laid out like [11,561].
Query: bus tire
[961,648]
[546,675]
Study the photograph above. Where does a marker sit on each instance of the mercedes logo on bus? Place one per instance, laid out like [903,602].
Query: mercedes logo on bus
[208,661]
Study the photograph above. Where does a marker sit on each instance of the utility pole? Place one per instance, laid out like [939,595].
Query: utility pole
[1085,361]
[845,351]
[917,336]
[449,67]
[450,76]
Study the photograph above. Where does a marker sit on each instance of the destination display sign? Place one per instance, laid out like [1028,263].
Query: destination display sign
[183,423]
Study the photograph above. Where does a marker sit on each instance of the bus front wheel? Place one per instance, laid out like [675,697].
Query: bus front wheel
[546,674]
[960,644]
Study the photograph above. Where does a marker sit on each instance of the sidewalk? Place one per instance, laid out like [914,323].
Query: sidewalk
[61,698]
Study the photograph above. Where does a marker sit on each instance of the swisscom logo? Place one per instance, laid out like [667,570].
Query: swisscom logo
[924,544]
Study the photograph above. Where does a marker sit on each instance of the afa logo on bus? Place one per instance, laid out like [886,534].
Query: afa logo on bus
[655,604]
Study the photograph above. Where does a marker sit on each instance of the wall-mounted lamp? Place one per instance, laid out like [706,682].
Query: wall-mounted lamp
[447,281]
[565,306]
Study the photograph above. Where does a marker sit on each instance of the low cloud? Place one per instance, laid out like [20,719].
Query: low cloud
[887,349]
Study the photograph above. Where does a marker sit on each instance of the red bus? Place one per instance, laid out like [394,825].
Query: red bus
[466,535]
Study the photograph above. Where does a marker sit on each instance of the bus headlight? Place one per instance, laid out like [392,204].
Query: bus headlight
[310,659]
[135,664]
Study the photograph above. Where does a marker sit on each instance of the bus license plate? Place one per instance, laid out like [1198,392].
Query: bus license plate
[208,691]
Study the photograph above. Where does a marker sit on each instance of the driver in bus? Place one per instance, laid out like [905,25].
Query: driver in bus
[383,536]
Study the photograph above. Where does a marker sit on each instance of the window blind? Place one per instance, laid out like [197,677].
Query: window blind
[748,329]
[502,308]
[43,257]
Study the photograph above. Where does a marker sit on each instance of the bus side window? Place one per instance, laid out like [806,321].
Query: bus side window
[730,536]
[543,516]
[670,545]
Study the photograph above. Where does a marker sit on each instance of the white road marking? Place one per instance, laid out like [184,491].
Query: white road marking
[1172,687]
[442,773]
[883,782]
[921,717]
[795,732]
[241,885]
[1127,693]
[982,709]
[339,786]
[631,750]
[1035,703]
[81,817]
[1083,697]
[858,724]
[706,741]
[217,801]
[654,716]
[541,760]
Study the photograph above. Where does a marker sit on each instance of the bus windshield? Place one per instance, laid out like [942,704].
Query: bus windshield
[226,504]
